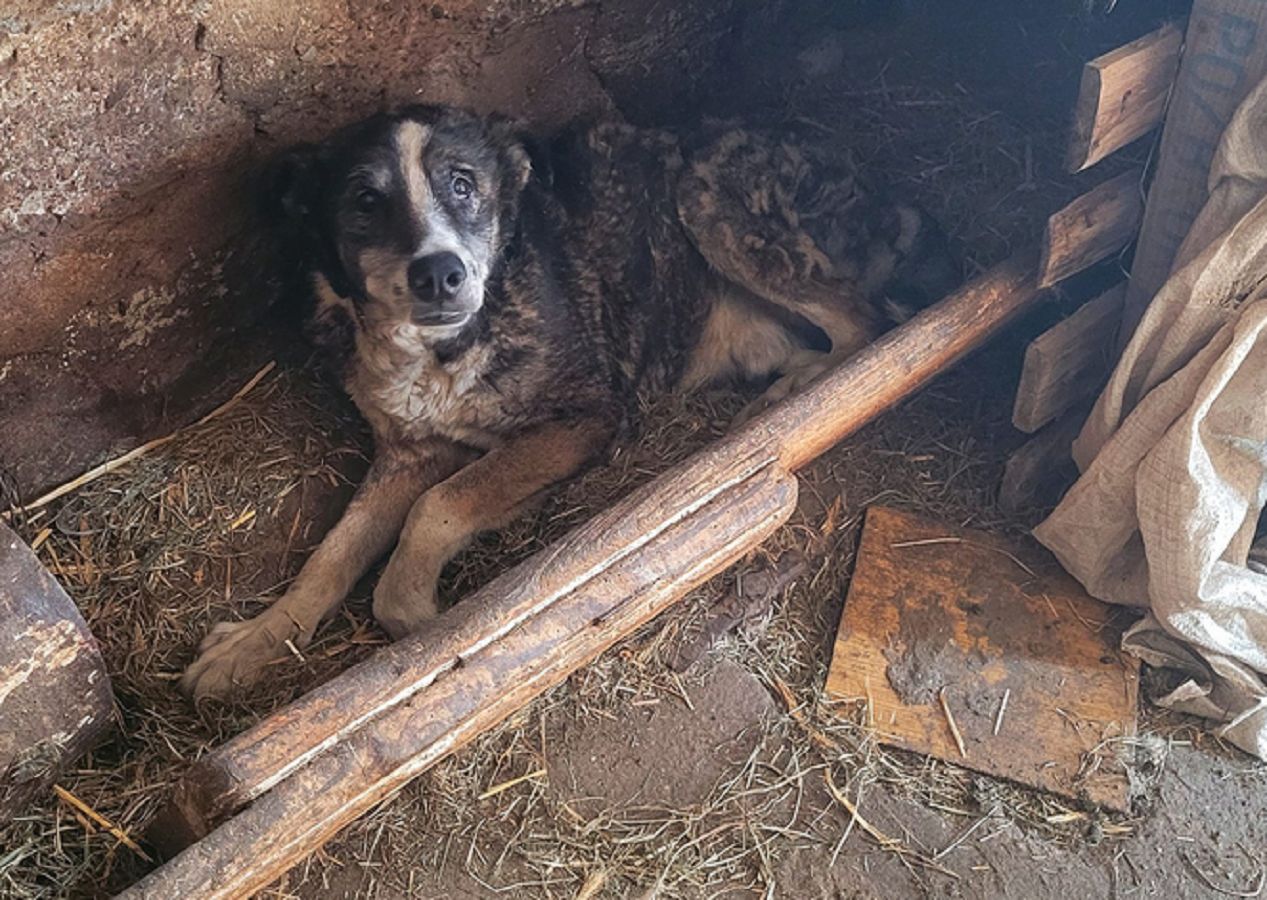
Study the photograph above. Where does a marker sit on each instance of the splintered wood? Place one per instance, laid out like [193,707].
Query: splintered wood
[985,653]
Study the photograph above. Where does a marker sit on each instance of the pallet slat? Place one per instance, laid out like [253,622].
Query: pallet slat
[1068,361]
[1092,228]
[1224,57]
[1123,96]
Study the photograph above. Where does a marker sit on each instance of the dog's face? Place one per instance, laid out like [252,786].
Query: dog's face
[405,215]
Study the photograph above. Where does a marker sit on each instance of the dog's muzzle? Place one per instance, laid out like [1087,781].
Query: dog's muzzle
[436,281]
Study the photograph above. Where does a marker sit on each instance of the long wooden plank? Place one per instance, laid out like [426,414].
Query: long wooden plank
[290,744]
[1068,361]
[1092,228]
[306,809]
[1123,95]
[946,624]
[1224,56]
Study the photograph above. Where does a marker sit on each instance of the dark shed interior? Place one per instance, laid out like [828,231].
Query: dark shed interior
[143,292]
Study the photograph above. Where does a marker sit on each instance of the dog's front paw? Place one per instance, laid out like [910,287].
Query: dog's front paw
[234,654]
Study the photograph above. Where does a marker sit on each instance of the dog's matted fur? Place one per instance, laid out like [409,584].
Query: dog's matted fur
[494,307]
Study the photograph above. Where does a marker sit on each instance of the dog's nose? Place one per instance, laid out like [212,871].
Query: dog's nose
[436,277]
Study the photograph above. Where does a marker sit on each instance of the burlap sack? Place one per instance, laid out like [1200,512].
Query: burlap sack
[1174,457]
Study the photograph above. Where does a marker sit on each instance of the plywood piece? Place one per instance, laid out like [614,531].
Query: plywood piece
[933,607]
[1092,228]
[1224,57]
[1068,361]
[1123,95]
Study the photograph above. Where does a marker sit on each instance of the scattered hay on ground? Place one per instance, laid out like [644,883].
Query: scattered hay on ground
[200,529]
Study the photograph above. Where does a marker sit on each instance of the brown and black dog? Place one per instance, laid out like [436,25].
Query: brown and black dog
[494,307]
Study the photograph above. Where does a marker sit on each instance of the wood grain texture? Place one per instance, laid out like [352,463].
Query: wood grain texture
[55,698]
[1123,96]
[1042,468]
[1068,362]
[307,808]
[935,607]
[1224,57]
[1092,228]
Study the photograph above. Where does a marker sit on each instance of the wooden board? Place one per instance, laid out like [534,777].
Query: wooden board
[1224,57]
[1123,95]
[1042,468]
[1092,228]
[932,606]
[1068,362]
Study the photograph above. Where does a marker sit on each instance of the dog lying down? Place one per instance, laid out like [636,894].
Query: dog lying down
[495,305]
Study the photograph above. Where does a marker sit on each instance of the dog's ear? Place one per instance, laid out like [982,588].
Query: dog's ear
[291,182]
[514,144]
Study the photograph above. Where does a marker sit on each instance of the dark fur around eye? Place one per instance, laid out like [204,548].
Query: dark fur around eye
[367,200]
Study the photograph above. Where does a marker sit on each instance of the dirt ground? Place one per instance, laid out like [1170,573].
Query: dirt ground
[642,775]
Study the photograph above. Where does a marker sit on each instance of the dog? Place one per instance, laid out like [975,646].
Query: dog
[494,305]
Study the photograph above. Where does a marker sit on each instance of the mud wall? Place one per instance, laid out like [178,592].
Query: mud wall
[134,277]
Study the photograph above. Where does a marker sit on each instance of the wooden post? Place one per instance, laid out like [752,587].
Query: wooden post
[1224,57]
[314,766]
[55,699]
[307,808]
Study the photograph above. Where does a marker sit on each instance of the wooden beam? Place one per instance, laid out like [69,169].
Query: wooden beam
[1068,361]
[305,810]
[314,766]
[1224,57]
[1123,96]
[1092,228]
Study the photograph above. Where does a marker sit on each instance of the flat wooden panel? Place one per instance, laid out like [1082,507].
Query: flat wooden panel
[932,606]
[1123,95]
[1068,361]
[1225,55]
[1092,228]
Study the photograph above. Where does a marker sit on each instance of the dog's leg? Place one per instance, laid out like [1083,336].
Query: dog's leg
[486,494]
[233,654]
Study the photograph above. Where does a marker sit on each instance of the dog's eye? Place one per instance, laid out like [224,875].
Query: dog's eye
[463,186]
[367,200]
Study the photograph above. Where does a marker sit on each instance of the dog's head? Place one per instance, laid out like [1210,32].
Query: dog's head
[405,215]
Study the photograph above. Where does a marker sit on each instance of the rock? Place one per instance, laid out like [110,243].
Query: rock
[55,699]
